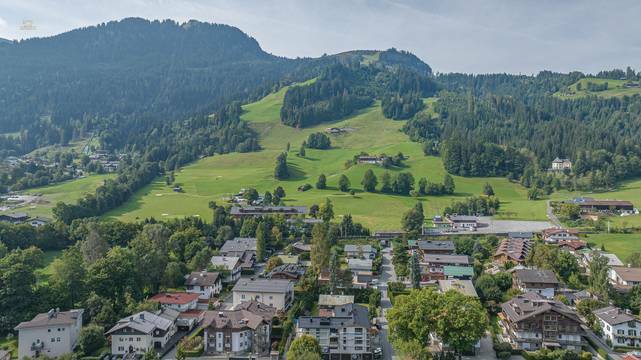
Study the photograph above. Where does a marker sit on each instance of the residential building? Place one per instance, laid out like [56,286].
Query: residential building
[521,235]
[260,211]
[532,323]
[572,246]
[444,247]
[613,260]
[554,235]
[360,251]
[343,333]
[177,301]
[465,287]
[329,302]
[561,164]
[289,259]
[49,334]
[625,277]
[432,266]
[205,284]
[620,327]
[287,272]
[230,266]
[244,248]
[359,264]
[362,279]
[138,333]
[14,218]
[458,272]
[590,205]
[456,222]
[239,331]
[541,281]
[300,247]
[513,250]
[366,159]
[273,292]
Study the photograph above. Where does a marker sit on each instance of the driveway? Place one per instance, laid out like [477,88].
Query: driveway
[387,275]
[553,219]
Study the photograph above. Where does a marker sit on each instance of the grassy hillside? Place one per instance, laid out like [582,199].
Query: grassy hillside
[622,245]
[68,191]
[615,88]
[216,177]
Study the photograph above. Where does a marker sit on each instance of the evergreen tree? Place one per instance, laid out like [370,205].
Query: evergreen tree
[488,190]
[281,172]
[415,271]
[261,242]
[343,183]
[386,183]
[448,183]
[326,211]
[422,186]
[301,151]
[369,181]
[333,273]
[322,182]
[280,192]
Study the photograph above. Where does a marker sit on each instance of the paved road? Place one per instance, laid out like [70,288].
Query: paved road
[551,216]
[387,275]
[597,339]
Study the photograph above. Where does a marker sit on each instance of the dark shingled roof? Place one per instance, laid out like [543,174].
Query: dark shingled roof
[536,276]
[52,318]
[431,245]
[531,304]
[613,315]
[198,278]
[344,315]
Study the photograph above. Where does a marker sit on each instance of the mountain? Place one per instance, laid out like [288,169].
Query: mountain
[133,74]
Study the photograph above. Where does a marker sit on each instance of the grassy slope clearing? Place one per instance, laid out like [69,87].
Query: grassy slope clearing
[615,88]
[68,191]
[215,177]
[622,245]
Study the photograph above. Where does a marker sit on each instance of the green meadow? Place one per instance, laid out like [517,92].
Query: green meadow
[218,177]
[68,191]
[622,245]
[615,88]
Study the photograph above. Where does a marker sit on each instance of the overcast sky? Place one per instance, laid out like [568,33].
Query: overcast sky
[464,36]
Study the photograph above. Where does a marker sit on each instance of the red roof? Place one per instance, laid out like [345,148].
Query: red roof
[174,298]
[631,357]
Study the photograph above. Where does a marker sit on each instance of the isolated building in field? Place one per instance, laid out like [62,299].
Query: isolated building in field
[561,164]
[49,334]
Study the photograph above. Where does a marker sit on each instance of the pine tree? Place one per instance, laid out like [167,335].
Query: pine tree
[333,273]
[386,183]
[448,183]
[322,182]
[343,183]
[488,190]
[415,271]
[369,181]
[281,172]
[261,240]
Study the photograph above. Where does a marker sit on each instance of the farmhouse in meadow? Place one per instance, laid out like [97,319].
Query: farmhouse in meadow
[561,164]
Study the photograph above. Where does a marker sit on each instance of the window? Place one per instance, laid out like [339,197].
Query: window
[620,340]
[48,330]
[53,340]
[358,348]
[242,296]
[137,339]
[632,332]
[131,339]
[58,339]
[271,297]
[620,332]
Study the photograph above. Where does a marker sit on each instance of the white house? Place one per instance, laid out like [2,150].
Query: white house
[49,334]
[561,164]
[359,264]
[620,327]
[625,276]
[542,281]
[143,331]
[360,251]
[613,260]
[205,284]
[273,292]
[231,265]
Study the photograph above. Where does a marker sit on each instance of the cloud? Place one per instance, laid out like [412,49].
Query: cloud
[451,35]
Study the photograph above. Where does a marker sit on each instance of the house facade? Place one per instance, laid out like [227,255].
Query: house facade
[138,333]
[433,265]
[554,235]
[205,284]
[343,332]
[180,302]
[561,164]
[273,292]
[49,334]
[540,281]
[626,277]
[237,332]
[513,250]
[531,323]
[360,251]
[618,326]
[230,266]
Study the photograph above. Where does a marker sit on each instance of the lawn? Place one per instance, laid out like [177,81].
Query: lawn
[68,191]
[615,88]
[43,273]
[622,245]
[217,177]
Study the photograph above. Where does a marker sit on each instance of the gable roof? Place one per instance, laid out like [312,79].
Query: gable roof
[179,298]
[536,276]
[628,273]
[227,262]
[232,319]
[431,245]
[258,308]
[464,287]
[446,259]
[359,263]
[202,278]
[359,248]
[454,271]
[263,285]
[335,300]
[530,304]
[52,318]
[146,322]
[239,244]
[613,315]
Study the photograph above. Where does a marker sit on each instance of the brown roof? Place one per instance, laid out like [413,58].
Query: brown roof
[573,244]
[232,319]
[628,273]
[524,306]
[258,308]
[536,276]
[52,318]
[553,231]
[514,248]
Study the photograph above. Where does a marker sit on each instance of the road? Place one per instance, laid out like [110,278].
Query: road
[597,340]
[553,219]
[387,275]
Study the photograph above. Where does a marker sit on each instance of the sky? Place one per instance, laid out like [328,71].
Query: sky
[472,36]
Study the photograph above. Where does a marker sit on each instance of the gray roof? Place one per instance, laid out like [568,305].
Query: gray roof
[463,218]
[536,276]
[263,285]
[465,287]
[524,306]
[52,318]
[232,319]
[238,245]
[359,248]
[228,262]
[427,245]
[520,235]
[359,264]
[446,259]
[291,269]
[613,315]
[146,322]
[344,316]
[202,278]
[335,300]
